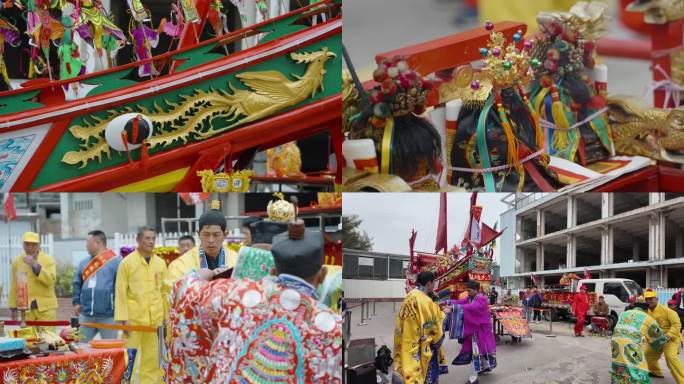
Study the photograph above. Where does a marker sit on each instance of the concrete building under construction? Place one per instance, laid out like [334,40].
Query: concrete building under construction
[639,236]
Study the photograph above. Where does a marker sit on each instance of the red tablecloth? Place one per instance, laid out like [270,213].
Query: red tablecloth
[513,321]
[655,178]
[93,366]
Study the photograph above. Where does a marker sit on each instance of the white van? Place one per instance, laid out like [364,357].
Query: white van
[616,293]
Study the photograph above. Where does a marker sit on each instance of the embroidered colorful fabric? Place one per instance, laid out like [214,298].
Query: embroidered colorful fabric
[90,367]
[253,263]
[238,330]
[633,332]
[513,321]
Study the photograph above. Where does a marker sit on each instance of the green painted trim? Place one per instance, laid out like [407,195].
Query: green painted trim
[197,56]
[55,171]
[109,82]
[280,28]
[19,103]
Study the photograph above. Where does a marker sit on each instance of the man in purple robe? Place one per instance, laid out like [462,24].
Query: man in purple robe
[471,321]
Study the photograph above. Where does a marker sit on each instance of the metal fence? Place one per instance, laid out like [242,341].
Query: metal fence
[10,248]
[168,239]
[664,294]
[162,239]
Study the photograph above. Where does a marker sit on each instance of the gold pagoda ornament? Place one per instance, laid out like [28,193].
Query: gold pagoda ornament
[237,181]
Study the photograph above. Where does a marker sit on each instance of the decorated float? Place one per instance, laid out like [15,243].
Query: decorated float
[471,260]
[502,111]
[189,119]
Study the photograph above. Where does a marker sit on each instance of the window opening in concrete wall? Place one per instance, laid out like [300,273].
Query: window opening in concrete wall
[588,207]
[638,276]
[526,260]
[555,218]
[588,248]
[670,195]
[555,256]
[674,234]
[675,277]
[397,270]
[380,269]
[630,240]
[625,202]
[350,266]
[528,227]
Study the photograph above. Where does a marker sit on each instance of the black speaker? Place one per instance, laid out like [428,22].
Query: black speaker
[362,374]
[361,362]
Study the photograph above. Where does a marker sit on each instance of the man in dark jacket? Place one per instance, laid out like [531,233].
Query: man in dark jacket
[535,302]
[93,287]
[493,296]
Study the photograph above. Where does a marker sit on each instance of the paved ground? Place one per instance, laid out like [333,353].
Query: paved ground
[372,27]
[563,359]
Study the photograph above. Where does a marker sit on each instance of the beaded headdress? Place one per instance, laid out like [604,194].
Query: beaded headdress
[565,47]
[401,91]
[567,39]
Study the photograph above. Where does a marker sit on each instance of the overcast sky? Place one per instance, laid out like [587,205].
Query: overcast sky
[389,217]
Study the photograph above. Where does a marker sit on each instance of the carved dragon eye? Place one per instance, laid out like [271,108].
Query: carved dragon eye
[128,131]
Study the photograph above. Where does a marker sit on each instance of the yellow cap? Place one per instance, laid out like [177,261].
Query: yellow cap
[31,237]
[649,293]
[215,204]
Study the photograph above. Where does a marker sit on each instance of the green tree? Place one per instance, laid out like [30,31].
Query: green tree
[65,275]
[354,236]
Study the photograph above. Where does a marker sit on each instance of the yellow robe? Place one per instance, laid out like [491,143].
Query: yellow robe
[418,325]
[190,261]
[670,323]
[41,288]
[523,11]
[139,300]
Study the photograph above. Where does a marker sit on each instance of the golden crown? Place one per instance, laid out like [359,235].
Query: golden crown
[280,210]
[506,65]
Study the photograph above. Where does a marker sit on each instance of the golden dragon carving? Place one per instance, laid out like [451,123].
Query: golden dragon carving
[658,11]
[642,131]
[191,118]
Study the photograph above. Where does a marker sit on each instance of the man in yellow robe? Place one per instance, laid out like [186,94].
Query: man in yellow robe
[212,227]
[210,254]
[670,324]
[186,243]
[41,273]
[139,300]
[417,332]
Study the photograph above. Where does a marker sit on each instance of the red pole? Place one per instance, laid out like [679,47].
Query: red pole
[629,49]
[192,30]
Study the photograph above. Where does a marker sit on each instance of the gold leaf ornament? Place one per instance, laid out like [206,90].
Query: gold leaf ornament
[192,118]
[237,181]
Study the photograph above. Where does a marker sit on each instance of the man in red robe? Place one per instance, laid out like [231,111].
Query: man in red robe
[580,306]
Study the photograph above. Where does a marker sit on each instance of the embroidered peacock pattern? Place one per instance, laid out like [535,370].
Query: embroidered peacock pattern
[268,93]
